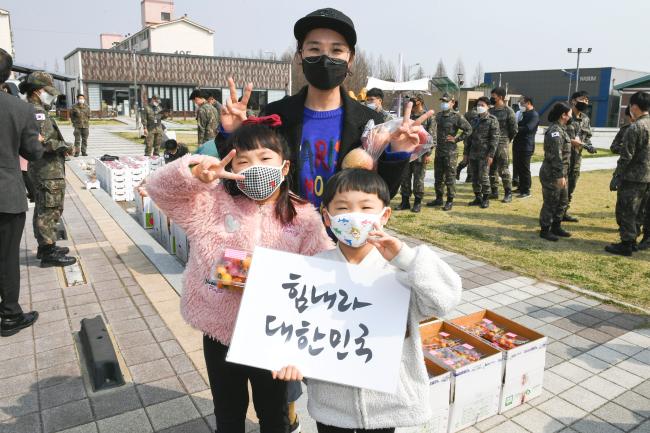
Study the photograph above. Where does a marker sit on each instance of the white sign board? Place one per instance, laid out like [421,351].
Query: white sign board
[336,322]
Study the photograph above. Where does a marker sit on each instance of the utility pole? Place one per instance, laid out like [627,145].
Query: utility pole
[135,90]
[578,51]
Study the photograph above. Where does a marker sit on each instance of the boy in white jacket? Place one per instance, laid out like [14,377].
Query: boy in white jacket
[355,208]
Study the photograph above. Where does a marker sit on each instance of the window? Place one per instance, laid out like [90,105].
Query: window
[165,16]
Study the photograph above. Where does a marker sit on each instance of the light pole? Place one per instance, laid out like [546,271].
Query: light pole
[460,82]
[408,71]
[135,90]
[578,51]
[570,74]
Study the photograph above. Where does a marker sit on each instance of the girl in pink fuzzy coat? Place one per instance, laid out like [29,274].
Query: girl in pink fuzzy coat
[239,202]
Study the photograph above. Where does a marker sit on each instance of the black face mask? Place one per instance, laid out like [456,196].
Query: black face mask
[324,73]
[493,101]
[581,106]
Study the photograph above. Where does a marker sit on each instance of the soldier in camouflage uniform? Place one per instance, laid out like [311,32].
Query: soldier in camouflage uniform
[617,143]
[580,132]
[554,172]
[507,131]
[80,116]
[47,173]
[152,117]
[631,178]
[469,116]
[451,128]
[416,170]
[207,117]
[479,151]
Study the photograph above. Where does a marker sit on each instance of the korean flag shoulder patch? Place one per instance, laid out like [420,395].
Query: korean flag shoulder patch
[555,134]
[40,116]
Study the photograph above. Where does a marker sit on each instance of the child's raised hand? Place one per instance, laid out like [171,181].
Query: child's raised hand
[387,245]
[287,373]
[210,168]
[233,112]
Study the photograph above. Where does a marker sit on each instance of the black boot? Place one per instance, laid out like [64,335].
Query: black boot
[51,258]
[545,233]
[623,248]
[495,193]
[449,204]
[11,325]
[405,205]
[569,218]
[507,196]
[83,153]
[557,230]
[477,200]
[485,201]
[436,202]
[62,251]
[645,241]
[417,205]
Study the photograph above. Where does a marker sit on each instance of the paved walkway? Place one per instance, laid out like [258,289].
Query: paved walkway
[598,361]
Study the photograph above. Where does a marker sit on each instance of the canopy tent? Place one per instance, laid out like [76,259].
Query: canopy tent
[421,85]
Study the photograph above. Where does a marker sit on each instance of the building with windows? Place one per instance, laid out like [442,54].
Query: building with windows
[547,87]
[629,88]
[114,80]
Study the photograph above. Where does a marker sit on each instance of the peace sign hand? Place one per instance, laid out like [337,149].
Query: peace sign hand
[210,168]
[233,112]
[406,138]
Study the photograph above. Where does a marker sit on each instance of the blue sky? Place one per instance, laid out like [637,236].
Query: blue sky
[501,35]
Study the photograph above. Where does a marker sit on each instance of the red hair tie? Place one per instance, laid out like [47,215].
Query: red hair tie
[272,121]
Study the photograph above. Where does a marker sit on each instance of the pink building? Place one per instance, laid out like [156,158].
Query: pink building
[108,40]
[156,11]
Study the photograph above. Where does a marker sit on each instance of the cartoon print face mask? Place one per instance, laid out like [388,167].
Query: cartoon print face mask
[353,228]
[261,181]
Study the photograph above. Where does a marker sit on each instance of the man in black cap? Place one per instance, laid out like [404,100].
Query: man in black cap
[375,101]
[174,151]
[321,125]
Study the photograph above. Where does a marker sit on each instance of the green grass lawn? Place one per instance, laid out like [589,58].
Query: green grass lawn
[189,139]
[92,122]
[187,121]
[507,236]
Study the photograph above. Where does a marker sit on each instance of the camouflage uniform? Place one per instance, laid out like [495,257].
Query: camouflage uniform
[48,176]
[446,157]
[578,128]
[152,117]
[416,170]
[617,144]
[80,116]
[207,120]
[469,116]
[507,131]
[557,157]
[482,145]
[387,115]
[633,170]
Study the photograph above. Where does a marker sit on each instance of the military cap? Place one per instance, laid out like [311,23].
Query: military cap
[155,97]
[445,97]
[43,80]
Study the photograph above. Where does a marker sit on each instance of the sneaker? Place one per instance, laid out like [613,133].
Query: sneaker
[523,195]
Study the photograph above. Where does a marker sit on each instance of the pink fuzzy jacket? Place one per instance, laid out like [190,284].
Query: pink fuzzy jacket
[213,221]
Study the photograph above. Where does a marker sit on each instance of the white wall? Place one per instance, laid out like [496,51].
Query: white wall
[5,34]
[182,37]
[72,67]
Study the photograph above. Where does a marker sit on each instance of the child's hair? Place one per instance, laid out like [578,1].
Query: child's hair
[356,179]
[257,136]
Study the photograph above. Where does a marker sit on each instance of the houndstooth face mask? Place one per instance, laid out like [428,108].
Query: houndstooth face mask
[261,181]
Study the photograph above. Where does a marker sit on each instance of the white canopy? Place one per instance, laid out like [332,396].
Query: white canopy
[421,85]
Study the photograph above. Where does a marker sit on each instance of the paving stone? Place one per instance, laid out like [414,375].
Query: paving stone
[18,405]
[567,324]
[610,329]
[553,331]
[586,320]
[583,398]
[552,361]
[579,342]
[115,401]
[132,325]
[172,412]
[556,383]
[635,367]
[508,312]
[592,424]
[19,384]
[70,390]
[47,329]
[86,428]
[540,302]
[606,354]
[530,322]
[562,410]
[517,410]
[162,334]
[562,350]
[66,416]
[46,295]
[537,421]
[54,357]
[524,307]
[193,382]
[87,298]
[16,350]
[135,339]
[141,354]
[171,348]
[643,428]
[154,322]
[643,389]
[53,341]
[621,377]
[203,400]
[603,387]
[160,390]
[508,427]
[25,424]
[117,304]
[123,314]
[619,416]
[198,425]
[57,374]
[487,304]
[17,366]
[594,335]
[52,304]
[181,363]
[634,402]
[490,422]
[643,356]
[637,339]
[21,337]
[590,363]
[571,371]
[151,371]
[135,421]
[575,305]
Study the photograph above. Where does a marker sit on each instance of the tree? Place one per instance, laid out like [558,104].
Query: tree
[441,71]
[56,65]
[459,69]
[419,73]
[359,72]
[478,74]
[386,69]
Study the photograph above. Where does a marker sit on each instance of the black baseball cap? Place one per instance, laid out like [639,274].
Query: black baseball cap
[327,18]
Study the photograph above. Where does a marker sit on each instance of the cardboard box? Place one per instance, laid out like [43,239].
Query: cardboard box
[476,387]
[523,365]
[156,231]
[166,237]
[182,244]
[144,210]
[439,395]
